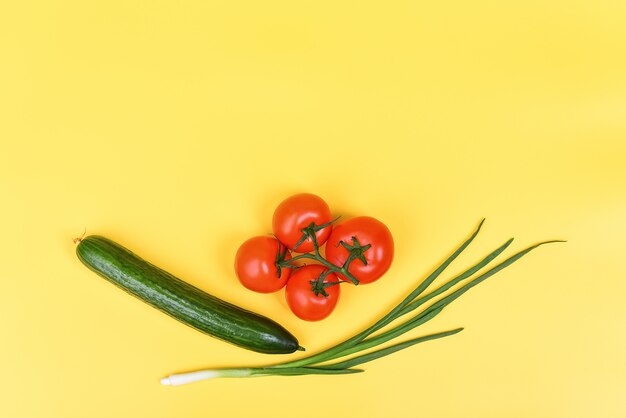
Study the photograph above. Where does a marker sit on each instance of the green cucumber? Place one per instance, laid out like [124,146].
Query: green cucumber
[182,301]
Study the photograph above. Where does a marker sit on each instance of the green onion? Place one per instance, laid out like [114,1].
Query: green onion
[319,363]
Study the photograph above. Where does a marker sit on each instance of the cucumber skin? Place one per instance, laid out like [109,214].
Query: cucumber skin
[182,301]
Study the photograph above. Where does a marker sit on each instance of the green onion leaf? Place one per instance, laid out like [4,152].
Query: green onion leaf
[389,350]
[436,307]
[299,371]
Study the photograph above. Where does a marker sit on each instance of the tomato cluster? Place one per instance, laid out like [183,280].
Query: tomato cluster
[358,250]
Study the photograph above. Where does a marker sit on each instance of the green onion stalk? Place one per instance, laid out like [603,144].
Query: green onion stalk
[418,307]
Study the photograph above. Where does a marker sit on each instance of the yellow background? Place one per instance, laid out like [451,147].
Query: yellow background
[176,127]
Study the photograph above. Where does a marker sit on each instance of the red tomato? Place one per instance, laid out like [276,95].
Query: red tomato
[302,300]
[255,265]
[367,230]
[297,212]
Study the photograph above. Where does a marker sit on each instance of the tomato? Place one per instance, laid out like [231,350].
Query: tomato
[255,264]
[366,230]
[297,212]
[302,300]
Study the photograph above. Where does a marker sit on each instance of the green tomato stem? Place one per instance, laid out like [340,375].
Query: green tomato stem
[318,257]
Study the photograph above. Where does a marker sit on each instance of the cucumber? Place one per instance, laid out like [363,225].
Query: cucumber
[182,301]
